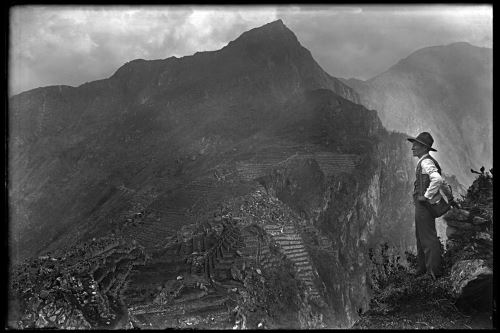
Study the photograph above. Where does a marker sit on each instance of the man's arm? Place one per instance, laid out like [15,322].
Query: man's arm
[429,168]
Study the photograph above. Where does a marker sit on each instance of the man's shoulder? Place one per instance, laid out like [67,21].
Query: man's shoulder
[429,162]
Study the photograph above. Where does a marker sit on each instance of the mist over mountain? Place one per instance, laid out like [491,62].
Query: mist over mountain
[446,90]
[219,169]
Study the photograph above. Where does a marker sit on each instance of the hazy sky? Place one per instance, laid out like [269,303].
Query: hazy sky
[71,45]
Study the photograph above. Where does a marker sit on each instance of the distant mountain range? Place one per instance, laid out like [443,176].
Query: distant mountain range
[445,90]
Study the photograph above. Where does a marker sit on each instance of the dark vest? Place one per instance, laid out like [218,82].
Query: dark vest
[426,181]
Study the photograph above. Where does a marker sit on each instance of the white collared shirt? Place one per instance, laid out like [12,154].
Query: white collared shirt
[429,168]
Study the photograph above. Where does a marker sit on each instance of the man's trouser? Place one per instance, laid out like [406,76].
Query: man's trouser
[428,247]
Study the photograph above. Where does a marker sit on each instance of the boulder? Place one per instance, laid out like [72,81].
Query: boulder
[471,284]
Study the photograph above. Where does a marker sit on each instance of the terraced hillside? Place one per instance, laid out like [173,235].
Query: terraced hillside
[330,163]
[203,292]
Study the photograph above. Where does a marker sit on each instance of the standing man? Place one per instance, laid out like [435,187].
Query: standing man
[427,183]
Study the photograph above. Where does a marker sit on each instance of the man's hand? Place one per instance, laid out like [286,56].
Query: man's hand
[421,198]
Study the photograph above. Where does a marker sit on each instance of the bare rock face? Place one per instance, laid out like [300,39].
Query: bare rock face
[395,215]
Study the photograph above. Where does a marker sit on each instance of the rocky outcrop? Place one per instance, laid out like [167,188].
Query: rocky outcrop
[470,245]
[472,283]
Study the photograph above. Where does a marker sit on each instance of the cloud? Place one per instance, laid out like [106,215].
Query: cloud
[71,45]
[363,43]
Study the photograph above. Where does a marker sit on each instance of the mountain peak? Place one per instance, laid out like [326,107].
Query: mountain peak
[278,22]
[272,27]
[272,47]
[272,32]
[277,25]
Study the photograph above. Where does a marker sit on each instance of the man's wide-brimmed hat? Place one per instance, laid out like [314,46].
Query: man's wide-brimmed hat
[424,138]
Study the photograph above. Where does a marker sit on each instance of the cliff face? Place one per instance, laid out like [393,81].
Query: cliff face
[245,174]
[344,213]
[445,90]
[397,175]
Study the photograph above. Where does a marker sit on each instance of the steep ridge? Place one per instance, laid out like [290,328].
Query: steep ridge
[446,90]
[201,161]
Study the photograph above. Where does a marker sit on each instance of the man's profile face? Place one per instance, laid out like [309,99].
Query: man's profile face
[418,149]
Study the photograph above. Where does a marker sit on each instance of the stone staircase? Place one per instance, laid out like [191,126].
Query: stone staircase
[294,249]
